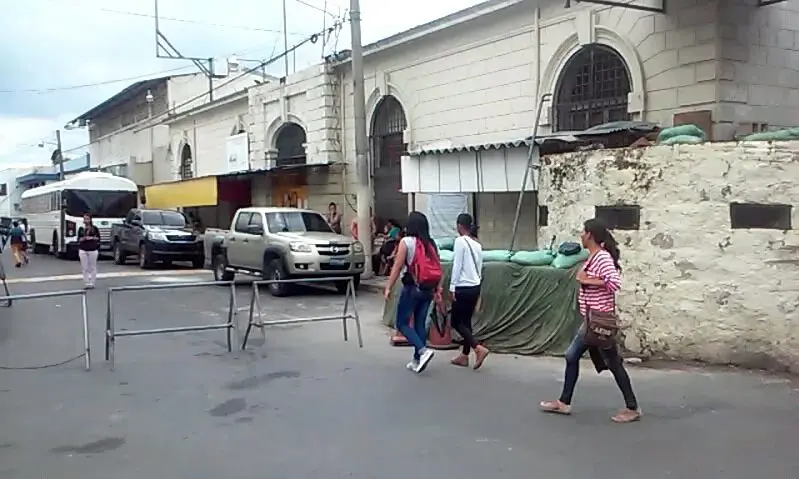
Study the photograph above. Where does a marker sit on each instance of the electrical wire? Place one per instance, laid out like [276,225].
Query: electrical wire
[315,7]
[99,83]
[43,366]
[178,20]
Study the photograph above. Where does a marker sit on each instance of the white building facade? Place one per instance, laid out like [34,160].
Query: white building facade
[460,93]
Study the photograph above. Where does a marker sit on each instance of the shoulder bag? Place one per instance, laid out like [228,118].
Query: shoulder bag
[601,327]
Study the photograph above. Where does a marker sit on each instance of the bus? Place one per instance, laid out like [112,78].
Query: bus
[55,211]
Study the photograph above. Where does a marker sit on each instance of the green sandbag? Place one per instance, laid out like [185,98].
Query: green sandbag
[497,256]
[683,140]
[681,130]
[446,255]
[779,135]
[533,258]
[566,262]
[445,244]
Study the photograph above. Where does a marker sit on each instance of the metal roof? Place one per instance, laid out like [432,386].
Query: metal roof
[126,94]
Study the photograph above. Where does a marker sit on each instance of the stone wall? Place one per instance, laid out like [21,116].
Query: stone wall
[694,288]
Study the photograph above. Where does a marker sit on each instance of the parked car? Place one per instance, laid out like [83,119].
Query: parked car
[282,243]
[156,235]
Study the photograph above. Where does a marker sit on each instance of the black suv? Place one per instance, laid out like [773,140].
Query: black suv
[156,235]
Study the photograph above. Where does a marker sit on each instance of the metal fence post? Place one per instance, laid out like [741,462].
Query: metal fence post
[87,350]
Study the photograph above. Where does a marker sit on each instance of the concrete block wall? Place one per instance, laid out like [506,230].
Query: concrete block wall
[759,66]
[693,287]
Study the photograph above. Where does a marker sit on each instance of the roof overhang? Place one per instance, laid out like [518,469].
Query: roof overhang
[31,178]
[654,6]
[766,3]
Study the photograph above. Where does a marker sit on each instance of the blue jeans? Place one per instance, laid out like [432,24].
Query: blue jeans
[613,360]
[415,303]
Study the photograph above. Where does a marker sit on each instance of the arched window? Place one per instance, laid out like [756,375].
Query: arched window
[290,145]
[592,89]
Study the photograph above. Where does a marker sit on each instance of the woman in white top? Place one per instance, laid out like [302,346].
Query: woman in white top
[467,274]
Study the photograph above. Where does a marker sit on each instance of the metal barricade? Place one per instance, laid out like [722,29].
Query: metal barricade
[111,333]
[255,318]
[84,312]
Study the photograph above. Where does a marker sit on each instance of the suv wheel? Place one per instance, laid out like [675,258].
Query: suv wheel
[119,255]
[276,271]
[220,269]
[145,257]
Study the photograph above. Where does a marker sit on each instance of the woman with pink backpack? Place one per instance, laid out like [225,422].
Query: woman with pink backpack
[418,265]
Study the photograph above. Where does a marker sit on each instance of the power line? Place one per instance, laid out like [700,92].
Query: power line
[183,20]
[315,7]
[99,83]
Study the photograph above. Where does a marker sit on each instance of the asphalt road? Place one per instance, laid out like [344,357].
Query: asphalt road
[305,404]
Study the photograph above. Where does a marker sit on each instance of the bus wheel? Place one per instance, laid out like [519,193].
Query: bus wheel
[54,247]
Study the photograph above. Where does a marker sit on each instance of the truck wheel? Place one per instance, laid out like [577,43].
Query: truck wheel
[119,256]
[145,257]
[276,271]
[221,272]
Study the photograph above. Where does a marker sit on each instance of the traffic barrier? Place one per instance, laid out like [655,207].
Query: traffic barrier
[84,312]
[111,333]
[255,319]
[7,303]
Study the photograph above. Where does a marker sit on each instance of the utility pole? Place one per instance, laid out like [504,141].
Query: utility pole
[59,155]
[361,143]
[285,38]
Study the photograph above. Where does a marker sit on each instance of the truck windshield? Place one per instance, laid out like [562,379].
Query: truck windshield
[163,218]
[100,204]
[297,222]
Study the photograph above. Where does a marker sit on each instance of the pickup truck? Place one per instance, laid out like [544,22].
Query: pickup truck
[156,235]
[282,243]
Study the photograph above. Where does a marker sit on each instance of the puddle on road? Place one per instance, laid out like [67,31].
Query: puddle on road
[254,382]
[231,406]
[97,447]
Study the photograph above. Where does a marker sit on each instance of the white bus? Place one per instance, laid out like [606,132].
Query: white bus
[55,211]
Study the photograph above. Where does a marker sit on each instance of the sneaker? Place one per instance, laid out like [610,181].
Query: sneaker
[424,360]
[412,365]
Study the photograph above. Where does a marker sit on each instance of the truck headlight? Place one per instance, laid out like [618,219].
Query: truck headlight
[298,247]
[156,236]
[357,247]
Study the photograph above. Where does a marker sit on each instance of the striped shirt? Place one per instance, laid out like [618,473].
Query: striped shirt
[600,298]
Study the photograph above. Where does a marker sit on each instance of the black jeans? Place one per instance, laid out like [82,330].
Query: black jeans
[463,306]
[576,350]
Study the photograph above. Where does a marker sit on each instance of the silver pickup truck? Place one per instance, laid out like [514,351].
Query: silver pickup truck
[282,243]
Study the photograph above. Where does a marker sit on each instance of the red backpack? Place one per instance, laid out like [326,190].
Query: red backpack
[425,269]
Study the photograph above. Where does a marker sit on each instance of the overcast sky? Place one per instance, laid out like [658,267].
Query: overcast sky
[52,47]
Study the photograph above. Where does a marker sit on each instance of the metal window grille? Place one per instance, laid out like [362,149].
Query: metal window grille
[593,90]
[185,164]
[388,127]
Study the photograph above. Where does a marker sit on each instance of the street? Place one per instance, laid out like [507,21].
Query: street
[304,403]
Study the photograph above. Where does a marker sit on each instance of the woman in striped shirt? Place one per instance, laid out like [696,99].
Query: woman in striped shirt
[599,280]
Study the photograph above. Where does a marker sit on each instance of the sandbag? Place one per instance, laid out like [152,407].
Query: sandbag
[779,135]
[446,256]
[562,261]
[533,258]
[497,256]
[683,140]
[681,130]
[447,244]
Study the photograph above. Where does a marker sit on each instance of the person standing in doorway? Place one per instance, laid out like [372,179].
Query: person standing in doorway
[88,244]
[334,217]
[419,265]
[16,237]
[464,286]
[599,280]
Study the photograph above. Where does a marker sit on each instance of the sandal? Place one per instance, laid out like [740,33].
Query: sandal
[555,407]
[480,354]
[461,360]
[625,416]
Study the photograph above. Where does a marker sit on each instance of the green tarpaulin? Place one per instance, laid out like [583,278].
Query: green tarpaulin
[523,310]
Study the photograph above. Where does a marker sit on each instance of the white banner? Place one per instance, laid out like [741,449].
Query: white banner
[238,153]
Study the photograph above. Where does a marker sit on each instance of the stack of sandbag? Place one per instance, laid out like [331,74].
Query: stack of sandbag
[497,256]
[569,254]
[778,135]
[542,257]
[445,244]
[682,135]
[446,255]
